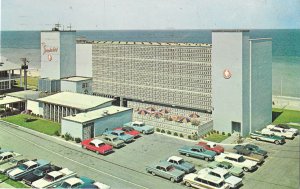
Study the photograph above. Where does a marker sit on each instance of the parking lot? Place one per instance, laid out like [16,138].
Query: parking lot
[125,168]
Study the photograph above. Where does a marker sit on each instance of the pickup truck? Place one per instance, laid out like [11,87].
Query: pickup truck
[278,132]
[6,156]
[141,127]
[267,137]
[237,160]
[25,168]
[165,170]
[181,165]
[242,150]
[198,152]
[53,178]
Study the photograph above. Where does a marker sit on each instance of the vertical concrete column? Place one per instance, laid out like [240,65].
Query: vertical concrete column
[121,101]
[9,79]
[20,78]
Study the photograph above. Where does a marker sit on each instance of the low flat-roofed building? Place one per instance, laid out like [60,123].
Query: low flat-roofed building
[63,104]
[7,74]
[93,123]
[77,84]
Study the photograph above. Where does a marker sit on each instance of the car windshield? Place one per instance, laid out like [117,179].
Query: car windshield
[170,168]
[114,139]
[23,167]
[221,184]
[48,178]
[227,175]
[65,185]
[181,161]
[37,172]
[121,134]
[101,144]
[241,159]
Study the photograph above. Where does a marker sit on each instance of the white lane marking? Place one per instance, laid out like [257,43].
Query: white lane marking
[76,161]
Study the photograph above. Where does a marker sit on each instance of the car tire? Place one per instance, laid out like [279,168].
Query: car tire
[187,155]
[84,147]
[276,142]
[188,184]
[172,179]
[245,169]
[206,159]
[153,173]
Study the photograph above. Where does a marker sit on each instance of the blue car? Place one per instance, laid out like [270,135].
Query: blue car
[76,182]
[120,134]
[198,152]
[141,127]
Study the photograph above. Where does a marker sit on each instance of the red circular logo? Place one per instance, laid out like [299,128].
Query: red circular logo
[227,74]
[49,57]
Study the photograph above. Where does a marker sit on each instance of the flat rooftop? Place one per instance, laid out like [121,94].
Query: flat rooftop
[96,114]
[154,43]
[75,100]
[6,65]
[76,78]
[28,94]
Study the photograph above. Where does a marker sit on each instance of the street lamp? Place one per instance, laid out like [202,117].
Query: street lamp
[25,68]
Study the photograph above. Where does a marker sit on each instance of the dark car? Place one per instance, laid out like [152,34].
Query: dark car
[242,150]
[39,173]
[256,150]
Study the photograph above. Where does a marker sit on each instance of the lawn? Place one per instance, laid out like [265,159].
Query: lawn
[216,137]
[286,116]
[32,82]
[38,124]
[14,184]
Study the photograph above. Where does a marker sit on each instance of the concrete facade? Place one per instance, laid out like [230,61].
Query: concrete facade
[84,60]
[77,85]
[239,80]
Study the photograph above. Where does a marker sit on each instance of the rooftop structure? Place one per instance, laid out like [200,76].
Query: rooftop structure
[153,43]
[28,94]
[76,78]
[96,114]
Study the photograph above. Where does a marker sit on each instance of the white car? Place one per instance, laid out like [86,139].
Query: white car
[231,180]
[278,132]
[204,181]
[101,185]
[285,128]
[53,178]
[6,156]
[237,160]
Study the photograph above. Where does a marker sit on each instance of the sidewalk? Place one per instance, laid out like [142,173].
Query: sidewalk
[232,139]
[284,102]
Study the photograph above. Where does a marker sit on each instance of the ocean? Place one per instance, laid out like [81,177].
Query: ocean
[286,49]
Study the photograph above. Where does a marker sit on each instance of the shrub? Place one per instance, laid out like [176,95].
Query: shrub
[62,136]
[217,132]
[189,137]
[181,135]
[157,129]
[205,135]
[214,131]
[77,140]
[175,134]
[169,132]
[68,137]
[41,116]
[195,137]
[229,134]
[162,131]
[57,133]
[223,133]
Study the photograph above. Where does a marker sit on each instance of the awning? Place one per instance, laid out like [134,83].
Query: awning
[9,100]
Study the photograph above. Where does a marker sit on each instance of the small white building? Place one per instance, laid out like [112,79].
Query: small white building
[93,123]
[8,74]
[77,85]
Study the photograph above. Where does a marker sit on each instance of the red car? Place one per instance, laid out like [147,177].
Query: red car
[130,131]
[96,145]
[212,146]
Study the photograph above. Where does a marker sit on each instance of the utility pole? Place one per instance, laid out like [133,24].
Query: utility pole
[281,86]
[25,68]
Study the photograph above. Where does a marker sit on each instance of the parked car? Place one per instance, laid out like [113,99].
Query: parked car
[287,128]
[165,170]
[287,133]
[25,168]
[6,156]
[242,150]
[130,131]
[235,171]
[204,181]
[75,182]
[232,181]
[97,146]
[278,132]
[112,140]
[141,127]
[181,165]
[39,173]
[16,161]
[198,152]
[95,185]
[53,178]
[256,150]
[237,160]
[212,146]
[267,137]
[121,135]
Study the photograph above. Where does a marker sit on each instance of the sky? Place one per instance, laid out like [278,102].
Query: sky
[150,14]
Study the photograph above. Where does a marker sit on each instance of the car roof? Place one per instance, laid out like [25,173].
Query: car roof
[176,158]
[65,171]
[55,174]
[206,176]
[118,131]
[97,141]
[220,170]
[29,163]
[138,122]
[6,154]
[211,143]
[232,155]
[110,136]
[73,180]
[163,164]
